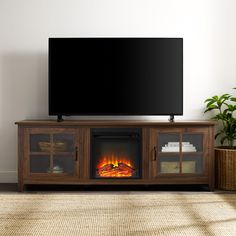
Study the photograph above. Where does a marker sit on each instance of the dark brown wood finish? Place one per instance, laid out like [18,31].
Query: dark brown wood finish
[20,158]
[211,167]
[81,130]
[106,123]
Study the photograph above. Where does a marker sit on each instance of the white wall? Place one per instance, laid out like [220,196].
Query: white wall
[207,26]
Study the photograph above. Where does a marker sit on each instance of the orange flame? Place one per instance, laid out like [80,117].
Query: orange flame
[113,159]
[114,166]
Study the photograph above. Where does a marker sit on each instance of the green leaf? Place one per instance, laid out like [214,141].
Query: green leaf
[210,108]
[221,116]
[224,96]
[217,134]
[231,107]
[222,140]
[226,106]
[210,103]
[208,100]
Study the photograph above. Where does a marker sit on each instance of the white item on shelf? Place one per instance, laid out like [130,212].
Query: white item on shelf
[175,147]
[175,144]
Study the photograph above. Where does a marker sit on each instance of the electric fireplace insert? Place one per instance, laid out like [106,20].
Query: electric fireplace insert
[115,153]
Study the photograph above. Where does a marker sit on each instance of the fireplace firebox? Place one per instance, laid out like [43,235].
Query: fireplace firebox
[115,153]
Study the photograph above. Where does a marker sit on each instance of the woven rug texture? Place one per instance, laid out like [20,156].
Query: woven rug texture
[118,214]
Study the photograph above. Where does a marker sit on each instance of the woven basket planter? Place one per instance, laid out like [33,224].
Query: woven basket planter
[225,168]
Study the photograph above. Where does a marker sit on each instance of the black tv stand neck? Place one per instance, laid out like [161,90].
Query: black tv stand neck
[172,118]
[59,118]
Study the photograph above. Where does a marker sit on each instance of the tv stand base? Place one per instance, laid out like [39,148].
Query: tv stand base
[51,152]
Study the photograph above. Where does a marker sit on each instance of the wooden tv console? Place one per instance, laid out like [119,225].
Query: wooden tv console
[44,143]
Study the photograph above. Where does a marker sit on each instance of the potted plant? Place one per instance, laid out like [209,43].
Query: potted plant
[224,107]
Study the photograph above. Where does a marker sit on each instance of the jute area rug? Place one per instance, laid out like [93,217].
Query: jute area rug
[118,214]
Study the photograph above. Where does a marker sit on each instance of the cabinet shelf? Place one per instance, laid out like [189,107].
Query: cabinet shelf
[192,153]
[178,153]
[50,174]
[179,174]
[52,153]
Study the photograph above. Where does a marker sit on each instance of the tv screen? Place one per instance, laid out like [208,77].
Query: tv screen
[115,76]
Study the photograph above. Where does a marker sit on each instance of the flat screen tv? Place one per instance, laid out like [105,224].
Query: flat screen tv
[115,76]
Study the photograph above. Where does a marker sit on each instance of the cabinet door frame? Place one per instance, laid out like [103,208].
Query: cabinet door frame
[205,146]
[155,154]
[50,176]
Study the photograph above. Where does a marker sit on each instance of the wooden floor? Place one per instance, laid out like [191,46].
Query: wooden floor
[77,188]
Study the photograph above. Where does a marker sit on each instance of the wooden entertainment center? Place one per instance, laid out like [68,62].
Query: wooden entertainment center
[51,152]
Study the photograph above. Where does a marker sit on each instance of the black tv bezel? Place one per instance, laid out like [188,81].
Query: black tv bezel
[59,115]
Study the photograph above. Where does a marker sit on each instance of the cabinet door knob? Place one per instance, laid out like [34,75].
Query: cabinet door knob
[76,153]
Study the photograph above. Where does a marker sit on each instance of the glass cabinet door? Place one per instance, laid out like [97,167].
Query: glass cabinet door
[52,153]
[168,153]
[179,153]
[192,153]
[169,164]
[39,153]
